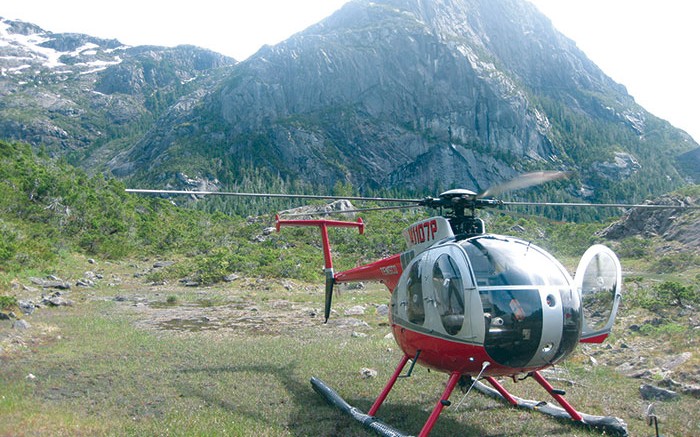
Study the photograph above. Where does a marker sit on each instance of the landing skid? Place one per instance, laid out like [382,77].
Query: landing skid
[608,424]
[368,421]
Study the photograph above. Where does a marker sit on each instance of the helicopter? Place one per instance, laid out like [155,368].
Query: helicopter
[474,305]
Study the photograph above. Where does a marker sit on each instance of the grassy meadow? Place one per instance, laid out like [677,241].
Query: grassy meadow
[133,358]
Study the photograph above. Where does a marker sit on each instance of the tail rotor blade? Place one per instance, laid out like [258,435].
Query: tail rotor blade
[330,281]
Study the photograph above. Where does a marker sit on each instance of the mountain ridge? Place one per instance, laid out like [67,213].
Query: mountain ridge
[410,95]
[73,93]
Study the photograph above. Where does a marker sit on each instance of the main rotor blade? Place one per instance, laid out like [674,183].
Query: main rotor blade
[271,195]
[603,205]
[350,211]
[524,181]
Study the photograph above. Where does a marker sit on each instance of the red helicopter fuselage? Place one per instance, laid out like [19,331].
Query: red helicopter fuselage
[459,303]
[483,305]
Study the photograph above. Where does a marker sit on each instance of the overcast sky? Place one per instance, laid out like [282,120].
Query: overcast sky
[650,46]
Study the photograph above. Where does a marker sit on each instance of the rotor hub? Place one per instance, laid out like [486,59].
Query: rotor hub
[459,200]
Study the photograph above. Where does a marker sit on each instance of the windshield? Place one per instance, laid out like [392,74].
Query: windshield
[500,261]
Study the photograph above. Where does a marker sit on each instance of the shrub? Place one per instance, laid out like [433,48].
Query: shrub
[662,295]
[676,294]
[8,242]
[675,262]
[667,328]
[212,267]
[7,302]
[634,247]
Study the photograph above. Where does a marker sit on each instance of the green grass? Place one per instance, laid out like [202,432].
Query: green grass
[7,302]
[99,372]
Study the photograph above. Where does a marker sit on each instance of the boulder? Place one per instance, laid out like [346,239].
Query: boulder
[651,392]
[56,299]
[383,310]
[84,283]
[161,264]
[366,372]
[687,389]
[357,310]
[26,306]
[347,323]
[676,360]
[230,278]
[51,282]
[21,325]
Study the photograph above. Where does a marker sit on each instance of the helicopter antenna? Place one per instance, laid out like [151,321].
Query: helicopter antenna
[484,365]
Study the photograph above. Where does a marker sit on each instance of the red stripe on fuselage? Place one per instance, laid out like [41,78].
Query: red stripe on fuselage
[450,356]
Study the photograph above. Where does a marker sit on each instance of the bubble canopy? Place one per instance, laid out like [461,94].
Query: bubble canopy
[506,295]
[531,312]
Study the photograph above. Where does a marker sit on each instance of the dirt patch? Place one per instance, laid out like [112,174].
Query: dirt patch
[13,340]
[243,317]
[248,307]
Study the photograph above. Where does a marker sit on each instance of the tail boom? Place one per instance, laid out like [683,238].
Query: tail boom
[387,271]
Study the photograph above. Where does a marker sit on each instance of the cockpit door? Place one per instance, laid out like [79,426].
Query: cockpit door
[598,280]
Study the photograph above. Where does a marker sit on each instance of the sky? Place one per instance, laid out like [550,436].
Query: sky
[650,46]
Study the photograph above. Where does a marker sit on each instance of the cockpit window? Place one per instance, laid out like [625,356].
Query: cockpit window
[498,261]
[414,286]
[449,293]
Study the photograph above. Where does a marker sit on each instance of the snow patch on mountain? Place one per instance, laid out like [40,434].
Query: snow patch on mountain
[27,51]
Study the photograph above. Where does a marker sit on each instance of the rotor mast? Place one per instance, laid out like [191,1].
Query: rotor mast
[461,206]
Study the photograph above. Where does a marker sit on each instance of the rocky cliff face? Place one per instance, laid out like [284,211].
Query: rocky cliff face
[413,94]
[408,95]
[671,225]
[363,94]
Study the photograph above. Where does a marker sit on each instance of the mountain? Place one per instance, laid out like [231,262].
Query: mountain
[411,96]
[80,96]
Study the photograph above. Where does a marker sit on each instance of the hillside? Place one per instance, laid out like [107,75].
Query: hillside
[403,96]
[85,98]
[676,231]
[52,212]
